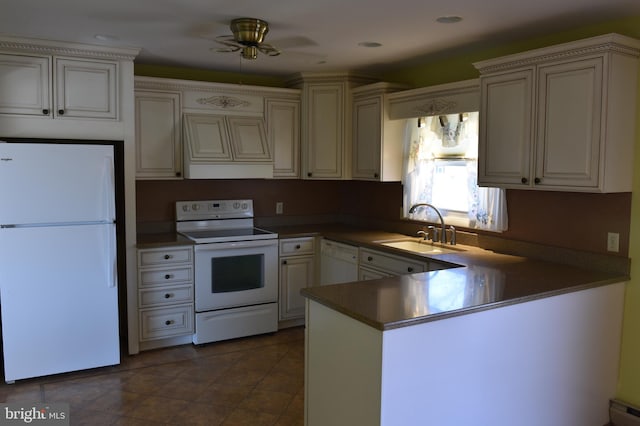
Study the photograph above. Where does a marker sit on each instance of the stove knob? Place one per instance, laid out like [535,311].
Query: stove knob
[244,206]
[236,205]
[185,208]
[195,207]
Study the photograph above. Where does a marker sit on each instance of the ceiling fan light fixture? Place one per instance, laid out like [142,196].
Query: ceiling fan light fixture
[249,52]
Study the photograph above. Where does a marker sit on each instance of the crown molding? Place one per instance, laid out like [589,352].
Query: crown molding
[614,43]
[51,47]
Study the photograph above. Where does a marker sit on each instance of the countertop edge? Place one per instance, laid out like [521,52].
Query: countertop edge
[308,293]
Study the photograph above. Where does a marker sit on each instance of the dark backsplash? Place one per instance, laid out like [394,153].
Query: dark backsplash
[562,219]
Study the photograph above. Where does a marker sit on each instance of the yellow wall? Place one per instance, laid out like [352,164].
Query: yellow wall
[457,66]
[629,380]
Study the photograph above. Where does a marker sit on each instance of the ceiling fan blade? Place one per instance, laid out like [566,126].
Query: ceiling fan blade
[268,50]
[230,45]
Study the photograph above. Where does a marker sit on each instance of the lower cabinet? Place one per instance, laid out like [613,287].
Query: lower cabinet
[297,271]
[377,264]
[165,296]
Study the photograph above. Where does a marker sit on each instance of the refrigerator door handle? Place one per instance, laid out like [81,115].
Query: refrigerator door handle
[112,260]
[109,188]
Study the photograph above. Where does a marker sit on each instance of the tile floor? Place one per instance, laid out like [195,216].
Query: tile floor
[250,381]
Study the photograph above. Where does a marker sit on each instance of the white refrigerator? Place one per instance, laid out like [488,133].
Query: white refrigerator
[58,261]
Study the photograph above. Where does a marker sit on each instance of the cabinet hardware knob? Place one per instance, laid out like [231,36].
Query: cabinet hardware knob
[536,180]
[524,180]
[369,258]
[168,322]
[178,174]
[409,269]
[167,276]
[167,295]
[309,174]
[167,256]
[297,246]
[284,262]
[375,175]
[45,111]
[60,112]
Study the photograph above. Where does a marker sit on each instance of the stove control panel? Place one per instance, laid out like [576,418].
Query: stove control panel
[214,209]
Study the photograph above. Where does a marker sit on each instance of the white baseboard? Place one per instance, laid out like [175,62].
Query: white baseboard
[623,414]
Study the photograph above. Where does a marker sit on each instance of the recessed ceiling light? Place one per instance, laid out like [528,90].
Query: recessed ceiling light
[369,44]
[450,19]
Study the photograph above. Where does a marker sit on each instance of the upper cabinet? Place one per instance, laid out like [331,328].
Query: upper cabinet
[158,134]
[201,130]
[283,130]
[326,123]
[377,141]
[58,87]
[560,118]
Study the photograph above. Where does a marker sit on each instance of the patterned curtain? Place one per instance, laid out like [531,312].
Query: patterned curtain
[487,206]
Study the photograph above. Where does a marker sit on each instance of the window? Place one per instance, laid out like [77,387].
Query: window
[440,168]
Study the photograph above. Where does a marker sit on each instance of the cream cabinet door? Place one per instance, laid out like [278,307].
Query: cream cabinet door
[206,138]
[283,131]
[248,139]
[158,135]
[506,137]
[569,120]
[296,273]
[86,88]
[25,85]
[325,131]
[367,138]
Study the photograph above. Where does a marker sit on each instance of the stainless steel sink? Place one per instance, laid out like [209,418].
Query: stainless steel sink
[419,246]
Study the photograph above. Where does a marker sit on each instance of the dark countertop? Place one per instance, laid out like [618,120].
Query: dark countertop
[145,241]
[480,280]
[483,280]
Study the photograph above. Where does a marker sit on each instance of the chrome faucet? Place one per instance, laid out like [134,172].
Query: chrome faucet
[443,232]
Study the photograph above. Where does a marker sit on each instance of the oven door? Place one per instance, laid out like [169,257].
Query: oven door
[235,274]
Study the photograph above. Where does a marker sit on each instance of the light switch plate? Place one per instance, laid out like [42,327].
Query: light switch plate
[279,207]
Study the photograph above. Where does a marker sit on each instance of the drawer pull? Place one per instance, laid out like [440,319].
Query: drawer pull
[60,112]
[168,322]
[369,258]
[45,111]
[409,269]
[298,247]
[167,256]
[167,295]
[168,277]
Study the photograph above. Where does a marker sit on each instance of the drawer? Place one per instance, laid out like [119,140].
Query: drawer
[165,296]
[165,256]
[297,246]
[166,322]
[165,276]
[390,263]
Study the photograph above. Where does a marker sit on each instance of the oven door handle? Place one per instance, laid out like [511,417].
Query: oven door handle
[236,244]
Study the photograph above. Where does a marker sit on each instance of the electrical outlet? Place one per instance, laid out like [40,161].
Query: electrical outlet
[279,207]
[613,242]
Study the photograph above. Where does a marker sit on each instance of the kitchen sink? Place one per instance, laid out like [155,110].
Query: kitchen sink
[419,246]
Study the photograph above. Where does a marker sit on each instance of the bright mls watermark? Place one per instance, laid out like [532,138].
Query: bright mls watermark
[40,414]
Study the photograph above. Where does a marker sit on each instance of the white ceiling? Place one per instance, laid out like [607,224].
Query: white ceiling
[181,32]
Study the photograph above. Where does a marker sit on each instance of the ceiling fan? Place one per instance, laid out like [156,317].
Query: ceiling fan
[248,35]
